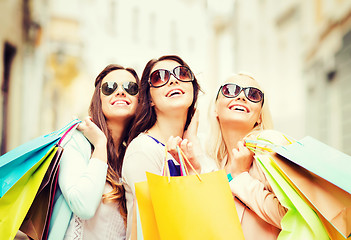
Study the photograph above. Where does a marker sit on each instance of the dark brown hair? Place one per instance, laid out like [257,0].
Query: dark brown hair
[145,114]
[114,158]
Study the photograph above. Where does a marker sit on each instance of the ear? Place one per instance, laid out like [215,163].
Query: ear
[152,103]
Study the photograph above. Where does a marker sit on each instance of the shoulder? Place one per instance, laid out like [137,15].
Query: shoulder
[143,143]
[76,136]
[274,137]
[143,150]
[76,141]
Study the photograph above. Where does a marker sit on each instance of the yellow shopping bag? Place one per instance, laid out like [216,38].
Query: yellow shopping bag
[146,211]
[189,207]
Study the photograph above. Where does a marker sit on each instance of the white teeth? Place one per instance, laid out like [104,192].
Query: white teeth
[238,108]
[174,92]
[120,102]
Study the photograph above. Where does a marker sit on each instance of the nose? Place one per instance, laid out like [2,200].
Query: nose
[241,96]
[120,91]
[173,80]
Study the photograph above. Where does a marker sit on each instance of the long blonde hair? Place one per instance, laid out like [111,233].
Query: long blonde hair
[216,148]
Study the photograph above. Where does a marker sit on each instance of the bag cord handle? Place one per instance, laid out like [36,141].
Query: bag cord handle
[67,131]
[182,157]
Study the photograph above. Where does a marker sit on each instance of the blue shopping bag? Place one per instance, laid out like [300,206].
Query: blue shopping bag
[15,163]
[320,159]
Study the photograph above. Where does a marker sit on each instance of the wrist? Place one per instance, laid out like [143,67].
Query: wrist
[101,144]
[230,177]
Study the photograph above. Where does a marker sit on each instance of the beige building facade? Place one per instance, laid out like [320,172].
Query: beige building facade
[300,52]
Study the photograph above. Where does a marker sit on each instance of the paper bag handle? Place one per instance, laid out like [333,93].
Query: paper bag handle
[182,156]
[67,131]
[183,168]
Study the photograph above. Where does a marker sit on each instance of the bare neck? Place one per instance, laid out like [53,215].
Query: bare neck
[232,134]
[167,126]
[116,128]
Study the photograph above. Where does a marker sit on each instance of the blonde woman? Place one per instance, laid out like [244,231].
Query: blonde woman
[240,111]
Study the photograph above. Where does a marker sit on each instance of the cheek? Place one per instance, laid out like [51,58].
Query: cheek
[190,90]
[135,103]
[104,105]
[220,109]
[153,96]
[257,111]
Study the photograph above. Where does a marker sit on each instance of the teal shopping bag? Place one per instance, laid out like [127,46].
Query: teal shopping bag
[15,204]
[15,163]
[320,159]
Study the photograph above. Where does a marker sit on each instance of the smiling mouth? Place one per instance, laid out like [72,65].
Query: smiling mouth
[239,108]
[120,102]
[174,92]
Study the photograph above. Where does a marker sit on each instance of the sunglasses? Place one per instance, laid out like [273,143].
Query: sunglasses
[107,88]
[231,90]
[160,77]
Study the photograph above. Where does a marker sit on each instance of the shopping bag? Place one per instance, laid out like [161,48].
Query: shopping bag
[194,206]
[36,222]
[15,163]
[146,211]
[136,233]
[321,159]
[20,189]
[300,221]
[15,204]
[331,203]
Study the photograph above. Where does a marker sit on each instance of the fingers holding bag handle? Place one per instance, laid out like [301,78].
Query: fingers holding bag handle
[189,163]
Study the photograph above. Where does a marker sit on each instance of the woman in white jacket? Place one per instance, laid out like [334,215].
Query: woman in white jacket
[90,201]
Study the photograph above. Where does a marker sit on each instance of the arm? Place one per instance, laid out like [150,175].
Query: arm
[250,186]
[82,175]
[258,197]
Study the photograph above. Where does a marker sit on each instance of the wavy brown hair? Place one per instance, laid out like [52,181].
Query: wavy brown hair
[114,158]
[145,114]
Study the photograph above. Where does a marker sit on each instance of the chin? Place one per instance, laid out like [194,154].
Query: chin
[235,120]
[121,115]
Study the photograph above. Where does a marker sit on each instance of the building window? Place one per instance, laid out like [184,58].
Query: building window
[9,54]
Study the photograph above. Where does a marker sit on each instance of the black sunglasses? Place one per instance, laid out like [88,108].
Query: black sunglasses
[160,77]
[107,88]
[231,90]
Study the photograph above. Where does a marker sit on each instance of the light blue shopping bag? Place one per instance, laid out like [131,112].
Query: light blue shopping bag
[15,163]
[320,159]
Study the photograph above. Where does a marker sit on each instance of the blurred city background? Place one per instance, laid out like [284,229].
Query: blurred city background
[299,51]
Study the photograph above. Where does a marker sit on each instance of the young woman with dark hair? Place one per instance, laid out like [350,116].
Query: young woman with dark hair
[168,96]
[91,200]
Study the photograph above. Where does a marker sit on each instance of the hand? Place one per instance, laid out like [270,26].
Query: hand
[187,147]
[92,132]
[172,144]
[241,161]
